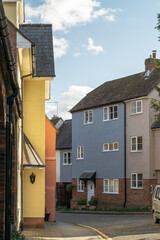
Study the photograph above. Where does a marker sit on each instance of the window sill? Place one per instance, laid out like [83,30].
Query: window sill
[111,193]
[111,151]
[136,188]
[132,114]
[80,159]
[79,191]
[64,164]
[88,123]
[137,151]
[109,120]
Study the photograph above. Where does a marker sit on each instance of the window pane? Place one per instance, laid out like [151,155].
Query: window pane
[69,158]
[82,152]
[133,144]
[133,180]
[139,106]
[115,185]
[65,158]
[115,112]
[115,146]
[140,177]
[105,113]
[105,147]
[111,185]
[78,152]
[110,112]
[133,107]
[105,185]
[86,116]
[90,116]
[139,139]
[110,146]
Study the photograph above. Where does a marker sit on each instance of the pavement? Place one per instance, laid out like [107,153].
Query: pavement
[63,231]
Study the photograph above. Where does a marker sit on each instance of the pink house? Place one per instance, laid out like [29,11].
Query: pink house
[50,170]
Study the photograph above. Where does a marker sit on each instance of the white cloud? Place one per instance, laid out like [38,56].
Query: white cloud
[66,14]
[77,54]
[60,47]
[66,101]
[94,49]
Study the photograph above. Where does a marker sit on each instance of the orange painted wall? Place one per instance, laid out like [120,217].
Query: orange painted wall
[50,170]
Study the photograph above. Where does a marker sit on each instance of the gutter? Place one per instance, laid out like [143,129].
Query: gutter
[125,170]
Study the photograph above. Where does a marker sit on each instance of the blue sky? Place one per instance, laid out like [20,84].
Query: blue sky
[95,41]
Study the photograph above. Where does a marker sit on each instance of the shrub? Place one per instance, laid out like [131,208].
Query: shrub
[81,201]
[93,201]
[69,187]
[16,235]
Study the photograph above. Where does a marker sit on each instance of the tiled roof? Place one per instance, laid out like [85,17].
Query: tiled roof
[64,138]
[119,90]
[155,125]
[41,36]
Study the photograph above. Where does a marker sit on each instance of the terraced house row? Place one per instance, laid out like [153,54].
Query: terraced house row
[115,142]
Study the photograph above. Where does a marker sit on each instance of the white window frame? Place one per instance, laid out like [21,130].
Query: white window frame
[136,150]
[114,149]
[80,185]
[80,153]
[137,112]
[87,119]
[67,158]
[109,192]
[108,113]
[136,187]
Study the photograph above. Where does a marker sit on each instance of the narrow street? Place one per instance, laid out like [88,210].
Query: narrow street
[117,227]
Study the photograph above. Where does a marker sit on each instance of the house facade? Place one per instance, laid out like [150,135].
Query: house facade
[35,70]
[113,143]
[50,169]
[63,162]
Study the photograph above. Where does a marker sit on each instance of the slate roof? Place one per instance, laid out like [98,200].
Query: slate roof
[155,125]
[55,119]
[119,90]
[64,138]
[41,36]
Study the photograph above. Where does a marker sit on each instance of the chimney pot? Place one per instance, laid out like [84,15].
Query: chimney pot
[154,53]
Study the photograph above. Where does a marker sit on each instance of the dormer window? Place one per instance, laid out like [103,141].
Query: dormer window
[136,107]
[88,117]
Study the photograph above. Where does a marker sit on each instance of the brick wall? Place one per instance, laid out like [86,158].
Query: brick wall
[139,197]
[105,200]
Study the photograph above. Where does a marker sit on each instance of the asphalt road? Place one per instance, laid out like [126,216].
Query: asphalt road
[117,227]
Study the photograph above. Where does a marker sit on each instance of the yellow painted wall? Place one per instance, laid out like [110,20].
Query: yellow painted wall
[34,128]
[14,11]
[34,114]
[11,11]
[34,194]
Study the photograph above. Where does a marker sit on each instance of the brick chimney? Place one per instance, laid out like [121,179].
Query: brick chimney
[150,63]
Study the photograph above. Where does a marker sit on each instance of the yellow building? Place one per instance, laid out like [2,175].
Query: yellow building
[35,70]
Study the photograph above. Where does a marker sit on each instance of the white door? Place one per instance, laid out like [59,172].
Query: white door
[90,190]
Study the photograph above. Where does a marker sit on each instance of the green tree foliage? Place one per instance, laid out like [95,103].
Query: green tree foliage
[155,104]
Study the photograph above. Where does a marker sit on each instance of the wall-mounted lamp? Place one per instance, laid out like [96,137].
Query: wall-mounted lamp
[32,178]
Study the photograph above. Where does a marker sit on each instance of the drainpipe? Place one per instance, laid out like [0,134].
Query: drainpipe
[10,102]
[22,144]
[125,180]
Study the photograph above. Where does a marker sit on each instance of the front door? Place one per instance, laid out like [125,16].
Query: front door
[90,190]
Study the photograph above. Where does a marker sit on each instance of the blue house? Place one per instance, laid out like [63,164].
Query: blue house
[101,164]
